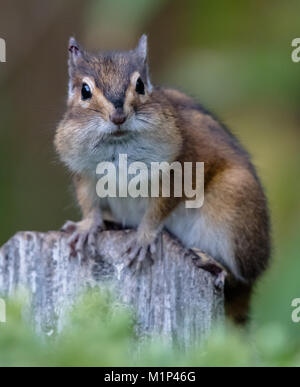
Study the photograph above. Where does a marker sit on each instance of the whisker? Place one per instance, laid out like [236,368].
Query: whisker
[143,119]
[94,110]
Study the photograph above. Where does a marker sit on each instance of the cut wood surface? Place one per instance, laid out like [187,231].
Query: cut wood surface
[172,297]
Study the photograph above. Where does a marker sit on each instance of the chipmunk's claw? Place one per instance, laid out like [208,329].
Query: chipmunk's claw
[220,280]
[137,254]
[82,238]
[206,262]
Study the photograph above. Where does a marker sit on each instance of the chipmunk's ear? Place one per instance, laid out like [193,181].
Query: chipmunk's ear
[142,52]
[142,48]
[75,51]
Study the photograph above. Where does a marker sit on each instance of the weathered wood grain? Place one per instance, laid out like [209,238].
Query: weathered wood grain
[172,297]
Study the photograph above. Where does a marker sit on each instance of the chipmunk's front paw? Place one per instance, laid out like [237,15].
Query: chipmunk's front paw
[138,253]
[83,236]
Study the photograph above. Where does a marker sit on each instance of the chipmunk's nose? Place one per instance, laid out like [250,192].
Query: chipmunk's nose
[118,117]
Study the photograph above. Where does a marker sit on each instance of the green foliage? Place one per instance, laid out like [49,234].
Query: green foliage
[100,332]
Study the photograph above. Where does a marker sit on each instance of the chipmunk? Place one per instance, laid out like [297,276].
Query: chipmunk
[113,109]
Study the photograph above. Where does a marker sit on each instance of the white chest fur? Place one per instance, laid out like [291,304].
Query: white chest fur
[190,226]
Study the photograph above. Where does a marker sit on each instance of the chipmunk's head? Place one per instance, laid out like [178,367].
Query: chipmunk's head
[109,86]
[110,102]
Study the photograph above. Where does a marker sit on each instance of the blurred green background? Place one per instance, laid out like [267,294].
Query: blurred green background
[233,56]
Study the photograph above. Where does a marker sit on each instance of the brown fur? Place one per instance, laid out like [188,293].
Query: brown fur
[234,197]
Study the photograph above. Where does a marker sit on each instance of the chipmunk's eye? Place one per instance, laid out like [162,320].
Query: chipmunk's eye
[140,87]
[86,92]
